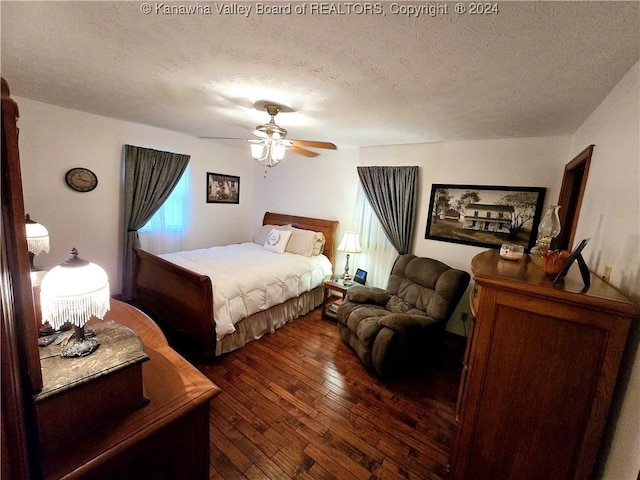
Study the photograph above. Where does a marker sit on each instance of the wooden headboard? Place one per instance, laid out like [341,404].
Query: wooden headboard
[327,227]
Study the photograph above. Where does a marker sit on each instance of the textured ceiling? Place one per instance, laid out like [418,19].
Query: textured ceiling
[531,69]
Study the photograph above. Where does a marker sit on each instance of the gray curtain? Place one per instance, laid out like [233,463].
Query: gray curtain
[149,177]
[391,191]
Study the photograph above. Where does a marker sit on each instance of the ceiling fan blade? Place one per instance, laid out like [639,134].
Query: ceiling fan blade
[302,151]
[314,144]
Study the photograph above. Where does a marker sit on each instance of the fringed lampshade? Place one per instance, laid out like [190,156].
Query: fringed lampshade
[37,238]
[74,292]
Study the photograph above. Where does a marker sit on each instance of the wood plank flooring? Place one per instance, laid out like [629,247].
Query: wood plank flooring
[298,404]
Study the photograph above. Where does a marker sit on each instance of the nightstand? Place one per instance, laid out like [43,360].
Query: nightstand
[334,293]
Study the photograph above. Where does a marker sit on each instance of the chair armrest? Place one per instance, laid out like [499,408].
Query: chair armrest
[373,295]
[407,324]
[448,291]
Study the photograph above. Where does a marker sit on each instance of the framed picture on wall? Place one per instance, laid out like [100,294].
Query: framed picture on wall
[484,216]
[223,188]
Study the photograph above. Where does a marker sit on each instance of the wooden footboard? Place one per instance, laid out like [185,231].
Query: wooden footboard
[177,298]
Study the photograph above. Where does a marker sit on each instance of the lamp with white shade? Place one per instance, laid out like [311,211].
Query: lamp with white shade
[350,244]
[37,239]
[74,292]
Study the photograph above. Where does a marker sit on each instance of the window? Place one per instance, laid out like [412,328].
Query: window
[166,231]
[378,254]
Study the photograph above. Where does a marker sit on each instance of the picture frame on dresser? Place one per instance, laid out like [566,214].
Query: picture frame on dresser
[576,255]
[484,215]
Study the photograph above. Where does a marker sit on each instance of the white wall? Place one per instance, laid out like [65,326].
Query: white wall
[325,186]
[535,162]
[53,140]
[610,216]
[322,187]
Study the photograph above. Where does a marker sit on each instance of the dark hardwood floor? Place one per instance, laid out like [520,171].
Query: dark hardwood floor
[299,404]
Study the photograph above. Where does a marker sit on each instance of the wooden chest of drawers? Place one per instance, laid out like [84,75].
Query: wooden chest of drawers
[540,370]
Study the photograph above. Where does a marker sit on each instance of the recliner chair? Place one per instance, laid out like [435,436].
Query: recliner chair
[393,330]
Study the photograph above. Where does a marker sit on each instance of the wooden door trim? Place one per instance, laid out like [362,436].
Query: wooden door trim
[571,195]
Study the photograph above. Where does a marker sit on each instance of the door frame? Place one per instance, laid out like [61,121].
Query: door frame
[574,182]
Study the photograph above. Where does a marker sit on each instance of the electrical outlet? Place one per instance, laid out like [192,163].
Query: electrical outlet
[606,275]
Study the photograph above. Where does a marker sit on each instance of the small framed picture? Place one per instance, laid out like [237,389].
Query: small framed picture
[360,276]
[576,255]
[223,188]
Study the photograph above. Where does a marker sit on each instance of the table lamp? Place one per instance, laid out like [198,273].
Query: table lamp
[75,291]
[37,239]
[350,244]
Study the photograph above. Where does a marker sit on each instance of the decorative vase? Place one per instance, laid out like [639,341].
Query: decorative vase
[554,260]
[548,229]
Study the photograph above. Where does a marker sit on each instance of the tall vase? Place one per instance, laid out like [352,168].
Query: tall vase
[548,229]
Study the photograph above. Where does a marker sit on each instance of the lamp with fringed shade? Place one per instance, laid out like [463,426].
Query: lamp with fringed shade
[74,292]
[37,239]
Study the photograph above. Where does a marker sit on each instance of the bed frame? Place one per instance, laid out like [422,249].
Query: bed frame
[182,301]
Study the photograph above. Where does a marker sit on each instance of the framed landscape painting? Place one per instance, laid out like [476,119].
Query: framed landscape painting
[223,188]
[484,216]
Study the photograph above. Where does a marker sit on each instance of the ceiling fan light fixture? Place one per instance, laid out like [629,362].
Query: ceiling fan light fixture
[258,149]
[271,130]
[278,149]
[271,145]
[268,152]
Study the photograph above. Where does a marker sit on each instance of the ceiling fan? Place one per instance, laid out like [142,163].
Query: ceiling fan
[269,147]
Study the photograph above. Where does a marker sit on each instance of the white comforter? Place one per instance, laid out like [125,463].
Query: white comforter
[247,279]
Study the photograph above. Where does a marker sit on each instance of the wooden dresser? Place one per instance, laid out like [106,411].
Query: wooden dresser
[539,372]
[168,438]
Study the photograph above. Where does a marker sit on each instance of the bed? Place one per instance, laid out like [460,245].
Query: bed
[181,299]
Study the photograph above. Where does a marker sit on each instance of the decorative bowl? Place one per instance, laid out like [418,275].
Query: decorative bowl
[554,260]
[510,251]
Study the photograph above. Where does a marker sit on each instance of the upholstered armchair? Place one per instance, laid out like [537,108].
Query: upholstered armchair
[394,330]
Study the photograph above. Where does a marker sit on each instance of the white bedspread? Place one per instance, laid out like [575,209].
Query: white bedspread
[247,279]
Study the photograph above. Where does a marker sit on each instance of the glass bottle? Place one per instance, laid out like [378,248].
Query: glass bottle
[548,229]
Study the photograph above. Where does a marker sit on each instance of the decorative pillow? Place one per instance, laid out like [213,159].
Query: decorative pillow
[318,245]
[305,242]
[277,240]
[301,242]
[261,235]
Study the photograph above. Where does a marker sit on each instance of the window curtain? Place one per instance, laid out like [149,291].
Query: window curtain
[149,177]
[391,191]
[378,255]
[166,231]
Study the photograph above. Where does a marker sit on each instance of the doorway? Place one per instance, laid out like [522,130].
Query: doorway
[574,182]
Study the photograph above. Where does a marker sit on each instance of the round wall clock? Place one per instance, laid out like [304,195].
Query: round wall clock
[81,179]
